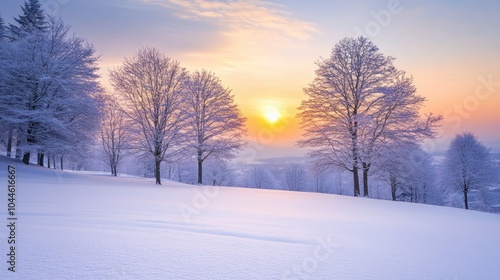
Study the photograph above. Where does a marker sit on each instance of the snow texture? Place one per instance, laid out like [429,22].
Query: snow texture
[92,226]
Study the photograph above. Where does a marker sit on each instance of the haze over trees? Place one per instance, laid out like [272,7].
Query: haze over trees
[294,177]
[357,104]
[410,173]
[113,132]
[260,178]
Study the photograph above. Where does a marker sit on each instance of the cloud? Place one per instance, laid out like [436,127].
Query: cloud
[253,16]
[247,43]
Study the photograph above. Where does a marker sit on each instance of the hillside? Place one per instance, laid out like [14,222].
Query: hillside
[83,226]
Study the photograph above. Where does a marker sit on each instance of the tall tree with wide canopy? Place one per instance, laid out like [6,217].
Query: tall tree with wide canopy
[215,122]
[152,96]
[31,21]
[357,103]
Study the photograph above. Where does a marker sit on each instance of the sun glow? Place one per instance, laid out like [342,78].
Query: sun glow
[272,115]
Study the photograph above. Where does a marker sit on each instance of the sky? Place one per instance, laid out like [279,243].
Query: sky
[265,51]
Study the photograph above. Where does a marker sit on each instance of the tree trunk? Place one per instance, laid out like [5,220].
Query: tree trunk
[26,158]
[62,166]
[466,200]
[18,146]
[200,171]
[393,187]
[30,140]
[40,160]
[366,168]
[425,194]
[54,161]
[9,143]
[354,139]
[179,173]
[48,161]
[356,180]
[157,171]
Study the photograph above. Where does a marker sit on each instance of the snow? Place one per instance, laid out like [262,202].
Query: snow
[94,226]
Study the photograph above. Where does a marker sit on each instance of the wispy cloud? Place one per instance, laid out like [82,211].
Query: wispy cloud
[235,15]
[248,43]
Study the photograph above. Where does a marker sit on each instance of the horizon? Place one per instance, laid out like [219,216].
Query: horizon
[265,51]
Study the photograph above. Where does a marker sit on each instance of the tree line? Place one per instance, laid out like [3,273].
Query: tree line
[171,113]
[361,114]
[466,177]
[52,103]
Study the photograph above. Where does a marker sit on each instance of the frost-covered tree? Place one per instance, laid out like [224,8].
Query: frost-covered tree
[152,96]
[52,91]
[215,122]
[467,166]
[7,129]
[32,20]
[113,132]
[294,177]
[357,103]
[396,122]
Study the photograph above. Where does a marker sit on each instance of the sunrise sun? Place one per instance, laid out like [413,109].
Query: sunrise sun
[272,115]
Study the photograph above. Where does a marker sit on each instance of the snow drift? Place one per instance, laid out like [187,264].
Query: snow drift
[89,226]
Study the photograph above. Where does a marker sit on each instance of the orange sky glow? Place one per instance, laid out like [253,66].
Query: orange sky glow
[265,51]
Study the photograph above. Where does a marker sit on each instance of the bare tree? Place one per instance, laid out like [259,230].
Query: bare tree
[358,102]
[294,177]
[467,166]
[113,132]
[395,121]
[215,122]
[151,88]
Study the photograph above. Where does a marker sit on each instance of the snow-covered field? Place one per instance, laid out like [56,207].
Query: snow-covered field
[83,226]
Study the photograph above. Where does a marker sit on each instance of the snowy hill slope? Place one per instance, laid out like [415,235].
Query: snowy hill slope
[80,226]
